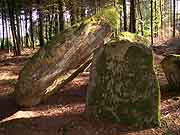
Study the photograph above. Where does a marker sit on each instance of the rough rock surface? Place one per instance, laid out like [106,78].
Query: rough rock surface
[123,86]
[59,62]
[171,68]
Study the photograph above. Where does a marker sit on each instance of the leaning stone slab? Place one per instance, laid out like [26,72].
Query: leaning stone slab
[123,86]
[62,59]
[171,68]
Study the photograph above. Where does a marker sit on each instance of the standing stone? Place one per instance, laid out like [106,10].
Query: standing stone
[123,86]
[171,68]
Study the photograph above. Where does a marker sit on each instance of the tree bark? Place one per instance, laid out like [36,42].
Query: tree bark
[3,28]
[152,31]
[141,17]
[31,27]
[40,20]
[174,18]
[125,15]
[132,25]
[61,15]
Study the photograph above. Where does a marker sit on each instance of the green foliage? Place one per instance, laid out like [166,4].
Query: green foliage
[132,37]
[110,15]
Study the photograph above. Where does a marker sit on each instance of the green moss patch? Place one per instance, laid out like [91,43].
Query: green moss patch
[123,85]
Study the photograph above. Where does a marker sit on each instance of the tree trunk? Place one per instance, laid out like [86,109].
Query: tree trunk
[18,33]
[17,50]
[40,20]
[73,15]
[52,66]
[26,28]
[141,17]
[132,25]
[161,13]
[61,16]
[152,31]
[174,18]
[83,9]
[50,18]
[46,29]
[3,28]
[31,28]
[7,32]
[125,15]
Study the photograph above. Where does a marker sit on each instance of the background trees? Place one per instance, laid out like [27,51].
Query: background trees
[32,23]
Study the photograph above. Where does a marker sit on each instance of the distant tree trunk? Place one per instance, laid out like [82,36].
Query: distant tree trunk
[40,31]
[61,15]
[174,18]
[161,14]
[50,17]
[120,21]
[31,28]
[18,31]
[21,29]
[73,15]
[152,32]
[83,9]
[17,50]
[46,29]
[125,15]
[141,17]
[56,24]
[7,32]
[3,28]
[132,25]
[26,28]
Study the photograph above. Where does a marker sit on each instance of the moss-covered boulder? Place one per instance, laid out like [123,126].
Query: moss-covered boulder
[123,86]
[171,68]
[57,63]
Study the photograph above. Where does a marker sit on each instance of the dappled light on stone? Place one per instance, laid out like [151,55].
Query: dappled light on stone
[123,85]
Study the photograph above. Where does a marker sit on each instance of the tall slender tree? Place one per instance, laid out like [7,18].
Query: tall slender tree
[3,26]
[40,21]
[174,18]
[132,25]
[125,15]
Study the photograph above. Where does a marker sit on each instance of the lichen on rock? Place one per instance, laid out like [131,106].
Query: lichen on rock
[123,85]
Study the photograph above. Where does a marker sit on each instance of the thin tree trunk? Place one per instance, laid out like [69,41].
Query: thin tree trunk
[73,15]
[46,29]
[61,15]
[13,29]
[152,32]
[125,15]
[40,31]
[7,32]
[18,33]
[132,25]
[31,28]
[141,17]
[174,18]
[50,17]
[3,28]
[83,9]
[161,14]
[26,28]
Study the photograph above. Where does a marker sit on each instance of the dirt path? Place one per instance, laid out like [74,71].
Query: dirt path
[63,113]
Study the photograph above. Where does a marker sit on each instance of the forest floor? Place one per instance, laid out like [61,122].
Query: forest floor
[63,113]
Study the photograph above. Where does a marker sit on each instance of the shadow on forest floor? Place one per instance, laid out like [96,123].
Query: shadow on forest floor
[63,113]
[7,107]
